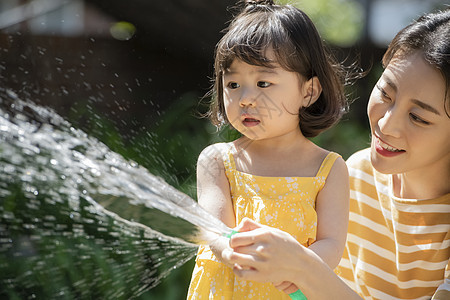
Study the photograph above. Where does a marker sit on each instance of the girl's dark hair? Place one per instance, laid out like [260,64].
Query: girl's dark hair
[429,35]
[297,47]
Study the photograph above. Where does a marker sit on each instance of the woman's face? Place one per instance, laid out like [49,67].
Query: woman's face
[409,125]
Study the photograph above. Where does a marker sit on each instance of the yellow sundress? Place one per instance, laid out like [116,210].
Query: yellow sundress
[287,203]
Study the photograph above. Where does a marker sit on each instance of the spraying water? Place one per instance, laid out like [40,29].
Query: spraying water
[69,205]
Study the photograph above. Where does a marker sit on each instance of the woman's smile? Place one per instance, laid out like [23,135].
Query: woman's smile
[385,149]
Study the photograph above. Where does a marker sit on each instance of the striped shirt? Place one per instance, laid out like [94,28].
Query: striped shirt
[396,248]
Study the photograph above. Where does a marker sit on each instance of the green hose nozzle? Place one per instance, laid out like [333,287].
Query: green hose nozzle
[229,235]
[297,295]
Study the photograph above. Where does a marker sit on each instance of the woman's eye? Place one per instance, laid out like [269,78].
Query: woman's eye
[418,119]
[263,84]
[383,92]
[233,85]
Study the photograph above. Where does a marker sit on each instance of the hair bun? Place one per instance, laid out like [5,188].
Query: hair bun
[259,2]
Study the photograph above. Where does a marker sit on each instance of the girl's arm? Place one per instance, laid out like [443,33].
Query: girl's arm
[272,255]
[332,207]
[213,192]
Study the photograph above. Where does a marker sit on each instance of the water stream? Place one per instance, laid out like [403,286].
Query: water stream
[78,221]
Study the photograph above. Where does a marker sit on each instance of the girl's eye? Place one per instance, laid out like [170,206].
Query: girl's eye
[233,85]
[418,119]
[263,84]
[383,92]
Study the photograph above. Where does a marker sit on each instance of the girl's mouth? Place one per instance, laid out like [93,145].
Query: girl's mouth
[250,122]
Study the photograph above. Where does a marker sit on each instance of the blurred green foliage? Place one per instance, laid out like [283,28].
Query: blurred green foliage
[48,251]
[340,22]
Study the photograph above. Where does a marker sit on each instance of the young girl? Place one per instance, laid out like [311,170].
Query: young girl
[398,243]
[277,86]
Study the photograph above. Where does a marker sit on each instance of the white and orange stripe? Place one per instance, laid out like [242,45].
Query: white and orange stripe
[396,248]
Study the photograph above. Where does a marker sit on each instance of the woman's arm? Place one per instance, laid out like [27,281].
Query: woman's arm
[213,192]
[272,255]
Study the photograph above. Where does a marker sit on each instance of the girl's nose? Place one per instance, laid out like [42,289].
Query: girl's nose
[390,124]
[248,97]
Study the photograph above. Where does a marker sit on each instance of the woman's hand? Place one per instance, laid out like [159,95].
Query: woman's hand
[286,286]
[264,254]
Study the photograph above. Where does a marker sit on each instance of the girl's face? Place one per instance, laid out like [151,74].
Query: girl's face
[262,102]
[410,129]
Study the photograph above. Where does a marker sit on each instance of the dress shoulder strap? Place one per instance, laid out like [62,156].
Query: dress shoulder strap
[327,164]
[228,160]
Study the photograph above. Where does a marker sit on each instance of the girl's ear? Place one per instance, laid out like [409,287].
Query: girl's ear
[311,91]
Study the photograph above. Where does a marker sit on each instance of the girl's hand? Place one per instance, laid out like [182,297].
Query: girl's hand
[264,254]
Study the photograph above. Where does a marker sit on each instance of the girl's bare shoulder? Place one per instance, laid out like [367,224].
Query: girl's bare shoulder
[214,151]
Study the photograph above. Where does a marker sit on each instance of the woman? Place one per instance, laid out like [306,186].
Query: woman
[398,242]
